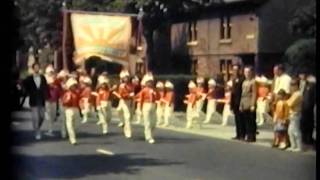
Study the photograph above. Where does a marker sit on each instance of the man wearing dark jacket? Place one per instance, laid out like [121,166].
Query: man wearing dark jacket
[307,114]
[37,89]
[236,92]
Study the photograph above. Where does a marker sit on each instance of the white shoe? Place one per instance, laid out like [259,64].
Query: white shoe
[84,121]
[105,132]
[290,149]
[282,146]
[121,124]
[49,133]
[206,122]
[151,141]
[38,136]
[297,150]
[73,143]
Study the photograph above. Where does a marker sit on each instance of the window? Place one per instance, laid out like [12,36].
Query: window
[192,33]
[225,27]
[194,66]
[226,68]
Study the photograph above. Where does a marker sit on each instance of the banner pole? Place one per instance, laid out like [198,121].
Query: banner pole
[64,40]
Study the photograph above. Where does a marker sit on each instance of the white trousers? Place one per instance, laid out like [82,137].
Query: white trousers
[294,131]
[50,114]
[86,110]
[168,112]
[199,113]
[149,118]
[124,112]
[211,110]
[160,113]
[105,115]
[226,114]
[262,111]
[138,113]
[71,115]
[191,115]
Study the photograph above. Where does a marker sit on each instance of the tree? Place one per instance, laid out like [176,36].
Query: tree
[301,55]
[304,21]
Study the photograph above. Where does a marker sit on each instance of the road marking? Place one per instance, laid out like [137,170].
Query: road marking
[106,152]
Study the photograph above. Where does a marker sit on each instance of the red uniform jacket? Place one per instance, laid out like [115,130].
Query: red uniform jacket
[70,99]
[85,93]
[103,95]
[148,95]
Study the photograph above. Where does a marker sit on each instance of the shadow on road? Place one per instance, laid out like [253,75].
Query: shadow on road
[55,166]
[26,137]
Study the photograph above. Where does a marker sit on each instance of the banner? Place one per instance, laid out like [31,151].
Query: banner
[105,36]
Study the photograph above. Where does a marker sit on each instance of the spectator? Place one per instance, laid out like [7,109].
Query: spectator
[281,79]
[294,102]
[263,100]
[307,114]
[237,80]
[37,89]
[280,120]
[247,105]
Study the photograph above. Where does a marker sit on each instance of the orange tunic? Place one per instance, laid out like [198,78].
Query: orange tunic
[191,98]
[200,92]
[169,97]
[148,95]
[103,95]
[160,96]
[125,90]
[85,95]
[211,94]
[70,99]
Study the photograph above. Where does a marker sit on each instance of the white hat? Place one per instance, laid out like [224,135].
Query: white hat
[103,81]
[200,80]
[311,79]
[257,78]
[159,84]
[148,78]
[168,84]
[49,70]
[50,79]
[192,84]
[212,82]
[62,74]
[229,83]
[71,82]
[135,78]
[264,80]
[87,80]
[124,73]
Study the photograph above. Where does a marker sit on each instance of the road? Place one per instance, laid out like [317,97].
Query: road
[174,156]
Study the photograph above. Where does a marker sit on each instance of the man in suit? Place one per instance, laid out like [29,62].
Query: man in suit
[248,104]
[237,80]
[37,89]
[307,114]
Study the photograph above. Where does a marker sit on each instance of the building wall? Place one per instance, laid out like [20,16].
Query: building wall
[210,49]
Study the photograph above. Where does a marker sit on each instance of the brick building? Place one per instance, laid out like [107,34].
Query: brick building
[244,31]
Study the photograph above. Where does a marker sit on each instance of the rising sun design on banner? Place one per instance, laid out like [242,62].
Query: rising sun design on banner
[105,36]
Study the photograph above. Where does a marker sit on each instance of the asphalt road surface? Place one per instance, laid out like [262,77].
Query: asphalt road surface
[174,156]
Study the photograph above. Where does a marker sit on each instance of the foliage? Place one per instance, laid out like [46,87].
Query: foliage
[304,21]
[301,56]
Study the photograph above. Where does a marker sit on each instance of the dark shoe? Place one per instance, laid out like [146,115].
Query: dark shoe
[274,146]
[235,138]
